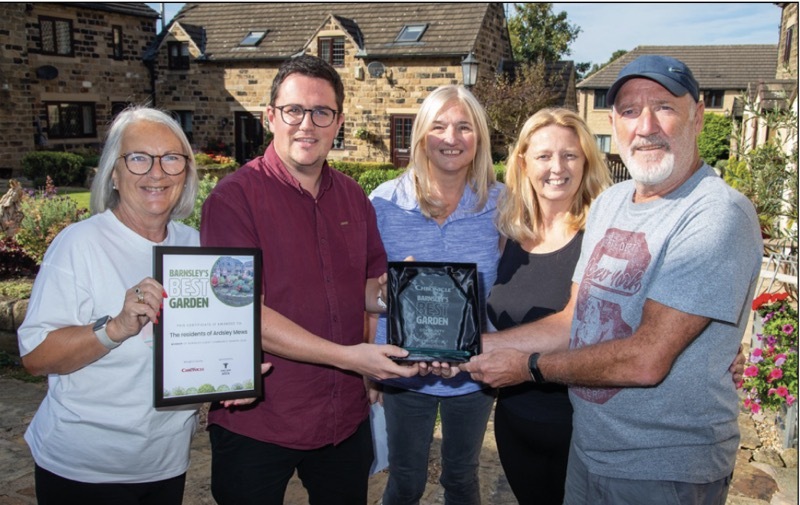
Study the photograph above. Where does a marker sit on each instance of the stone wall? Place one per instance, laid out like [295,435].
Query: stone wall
[788,20]
[12,313]
[214,91]
[91,74]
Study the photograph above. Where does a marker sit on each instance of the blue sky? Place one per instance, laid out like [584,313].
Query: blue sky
[606,27]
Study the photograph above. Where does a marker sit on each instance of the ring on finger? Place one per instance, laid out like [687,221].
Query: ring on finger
[139,295]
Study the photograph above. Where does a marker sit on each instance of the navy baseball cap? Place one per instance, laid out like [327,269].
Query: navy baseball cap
[671,73]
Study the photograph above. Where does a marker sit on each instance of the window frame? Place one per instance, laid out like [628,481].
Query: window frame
[598,103]
[185,119]
[787,45]
[714,98]
[329,54]
[256,38]
[55,50]
[117,47]
[406,33]
[179,62]
[603,143]
[58,132]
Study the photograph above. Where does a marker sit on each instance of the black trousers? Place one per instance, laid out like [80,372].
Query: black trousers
[245,471]
[534,456]
[52,489]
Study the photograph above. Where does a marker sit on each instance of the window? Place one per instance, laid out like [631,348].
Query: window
[338,142]
[71,120]
[253,38]
[600,99]
[178,55]
[603,143]
[185,118]
[56,35]
[713,98]
[116,42]
[411,33]
[331,49]
[787,45]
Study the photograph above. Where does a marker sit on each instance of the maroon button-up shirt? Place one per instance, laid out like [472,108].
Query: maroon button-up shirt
[317,255]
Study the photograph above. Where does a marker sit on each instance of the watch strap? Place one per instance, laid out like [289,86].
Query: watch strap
[103,337]
[533,367]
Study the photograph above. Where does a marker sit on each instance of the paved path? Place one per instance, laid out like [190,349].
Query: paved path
[754,483]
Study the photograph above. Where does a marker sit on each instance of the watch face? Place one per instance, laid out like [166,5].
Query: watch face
[100,323]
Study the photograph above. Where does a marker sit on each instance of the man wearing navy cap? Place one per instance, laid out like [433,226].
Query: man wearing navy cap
[669,262]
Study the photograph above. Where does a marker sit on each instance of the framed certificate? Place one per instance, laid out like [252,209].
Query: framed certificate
[433,310]
[207,341]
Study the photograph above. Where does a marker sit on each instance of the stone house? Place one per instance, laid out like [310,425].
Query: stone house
[65,69]
[215,63]
[779,91]
[723,73]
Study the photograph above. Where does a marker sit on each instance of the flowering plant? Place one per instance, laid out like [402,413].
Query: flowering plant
[770,374]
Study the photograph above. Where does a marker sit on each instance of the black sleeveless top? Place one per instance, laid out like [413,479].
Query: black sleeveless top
[529,287]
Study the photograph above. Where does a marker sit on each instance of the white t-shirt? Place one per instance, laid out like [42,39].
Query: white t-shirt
[98,424]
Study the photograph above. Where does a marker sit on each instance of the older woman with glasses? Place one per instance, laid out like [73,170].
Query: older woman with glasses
[96,438]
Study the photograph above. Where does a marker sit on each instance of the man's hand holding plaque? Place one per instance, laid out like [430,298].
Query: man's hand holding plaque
[433,310]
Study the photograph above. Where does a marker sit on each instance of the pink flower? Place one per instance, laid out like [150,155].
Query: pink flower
[751,371]
[780,359]
[782,391]
[775,374]
[771,391]
[755,408]
[756,356]
[789,399]
[788,329]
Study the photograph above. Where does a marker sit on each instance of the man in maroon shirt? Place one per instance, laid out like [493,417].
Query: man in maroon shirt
[322,256]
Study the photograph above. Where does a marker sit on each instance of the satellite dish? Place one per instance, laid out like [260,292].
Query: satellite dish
[376,69]
[47,72]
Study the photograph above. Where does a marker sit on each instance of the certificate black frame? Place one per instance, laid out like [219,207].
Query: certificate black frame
[160,400]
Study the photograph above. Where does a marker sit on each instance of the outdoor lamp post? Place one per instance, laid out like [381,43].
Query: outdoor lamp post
[469,69]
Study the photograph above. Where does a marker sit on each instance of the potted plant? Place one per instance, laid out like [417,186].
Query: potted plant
[361,133]
[770,375]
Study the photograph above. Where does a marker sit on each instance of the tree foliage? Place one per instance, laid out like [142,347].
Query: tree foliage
[715,139]
[583,74]
[767,174]
[537,33]
[510,100]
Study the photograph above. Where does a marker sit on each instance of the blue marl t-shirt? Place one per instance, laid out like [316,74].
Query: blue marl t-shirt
[468,235]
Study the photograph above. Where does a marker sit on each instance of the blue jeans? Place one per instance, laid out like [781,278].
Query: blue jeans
[410,420]
[586,488]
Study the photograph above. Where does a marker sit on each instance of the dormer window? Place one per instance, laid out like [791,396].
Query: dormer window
[253,38]
[411,33]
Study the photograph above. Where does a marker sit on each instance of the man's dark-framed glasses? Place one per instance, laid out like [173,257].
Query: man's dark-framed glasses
[293,114]
[141,163]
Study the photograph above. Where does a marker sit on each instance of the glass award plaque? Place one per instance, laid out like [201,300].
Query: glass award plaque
[433,310]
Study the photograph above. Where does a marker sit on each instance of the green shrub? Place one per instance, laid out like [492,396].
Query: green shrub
[44,216]
[65,169]
[500,172]
[14,261]
[715,140]
[371,179]
[207,183]
[355,169]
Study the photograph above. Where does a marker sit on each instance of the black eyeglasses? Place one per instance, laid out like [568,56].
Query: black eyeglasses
[141,163]
[293,114]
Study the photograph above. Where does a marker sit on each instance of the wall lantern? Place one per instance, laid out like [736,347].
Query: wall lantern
[469,69]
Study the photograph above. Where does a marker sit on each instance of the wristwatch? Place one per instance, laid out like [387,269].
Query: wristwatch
[533,367]
[99,329]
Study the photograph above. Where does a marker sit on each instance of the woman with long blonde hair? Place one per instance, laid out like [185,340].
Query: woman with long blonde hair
[554,173]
